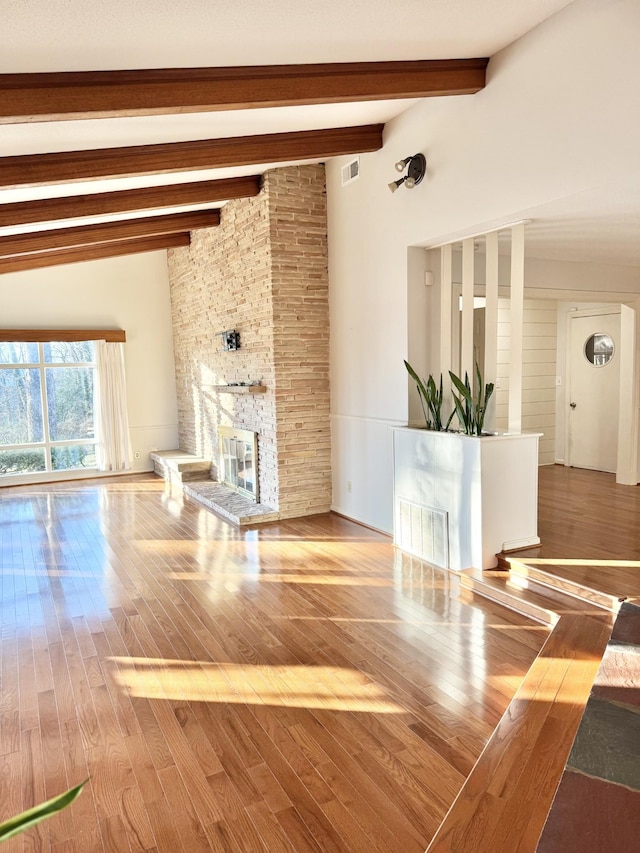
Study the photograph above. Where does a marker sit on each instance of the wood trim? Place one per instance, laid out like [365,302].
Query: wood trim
[62,166]
[87,235]
[361,523]
[118,336]
[100,94]
[146,198]
[239,389]
[100,251]
[505,800]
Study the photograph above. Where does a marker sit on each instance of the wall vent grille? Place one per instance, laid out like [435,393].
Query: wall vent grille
[351,171]
[424,532]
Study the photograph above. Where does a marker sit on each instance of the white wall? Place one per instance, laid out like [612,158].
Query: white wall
[538,373]
[545,275]
[559,115]
[130,293]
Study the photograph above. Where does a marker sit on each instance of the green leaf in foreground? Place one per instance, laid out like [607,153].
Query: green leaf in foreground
[31,817]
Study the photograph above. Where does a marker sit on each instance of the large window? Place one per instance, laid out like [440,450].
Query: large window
[46,406]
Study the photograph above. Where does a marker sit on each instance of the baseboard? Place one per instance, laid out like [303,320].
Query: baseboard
[361,523]
[40,478]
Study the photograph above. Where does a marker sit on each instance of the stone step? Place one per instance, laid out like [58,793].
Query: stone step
[176,466]
[190,475]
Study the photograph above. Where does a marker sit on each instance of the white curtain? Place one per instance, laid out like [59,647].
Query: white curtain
[113,445]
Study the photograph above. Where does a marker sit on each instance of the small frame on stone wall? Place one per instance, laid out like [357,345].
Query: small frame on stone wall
[230,340]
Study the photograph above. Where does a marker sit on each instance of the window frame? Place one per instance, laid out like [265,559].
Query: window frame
[47,444]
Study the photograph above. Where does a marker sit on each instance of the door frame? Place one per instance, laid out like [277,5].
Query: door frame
[627,458]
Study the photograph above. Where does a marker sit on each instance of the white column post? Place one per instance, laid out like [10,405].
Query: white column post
[466,341]
[491,322]
[516,314]
[446,285]
[627,461]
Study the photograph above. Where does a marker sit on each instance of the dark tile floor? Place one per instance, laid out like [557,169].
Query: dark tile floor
[597,805]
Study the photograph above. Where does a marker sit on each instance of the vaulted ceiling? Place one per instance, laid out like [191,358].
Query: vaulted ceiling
[120,121]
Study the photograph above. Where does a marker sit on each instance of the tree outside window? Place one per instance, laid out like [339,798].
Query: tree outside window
[46,406]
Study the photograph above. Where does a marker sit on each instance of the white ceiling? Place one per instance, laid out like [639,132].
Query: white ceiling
[601,225]
[75,35]
[86,35]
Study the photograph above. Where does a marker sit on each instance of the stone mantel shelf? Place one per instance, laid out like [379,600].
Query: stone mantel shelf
[239,389]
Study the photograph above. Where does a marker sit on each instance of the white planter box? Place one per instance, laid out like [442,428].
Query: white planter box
[459,500]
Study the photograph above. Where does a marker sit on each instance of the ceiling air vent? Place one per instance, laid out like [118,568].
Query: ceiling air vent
[351,171]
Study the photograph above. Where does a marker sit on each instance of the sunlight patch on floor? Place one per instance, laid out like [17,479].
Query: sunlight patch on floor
[553,686]
[294,686]
[319,579]
[45,571]
[427,621]
[290,548]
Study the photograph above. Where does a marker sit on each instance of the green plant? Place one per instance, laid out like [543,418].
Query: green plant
[21,461]
[431,397]
[31,817]
[471,410]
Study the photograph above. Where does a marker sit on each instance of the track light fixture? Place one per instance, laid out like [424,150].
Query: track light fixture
[406,180]
[417,166]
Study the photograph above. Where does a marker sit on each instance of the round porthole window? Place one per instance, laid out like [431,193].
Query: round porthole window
[598,349]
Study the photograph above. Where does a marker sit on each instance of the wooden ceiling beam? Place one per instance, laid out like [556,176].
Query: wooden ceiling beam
[38,260]
[105,232]
[147,198]
[53,96]
[63,166]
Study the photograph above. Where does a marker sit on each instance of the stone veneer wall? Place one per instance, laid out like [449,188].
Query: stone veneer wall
[263,272]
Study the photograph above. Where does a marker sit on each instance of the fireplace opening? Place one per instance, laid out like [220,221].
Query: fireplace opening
[239,461]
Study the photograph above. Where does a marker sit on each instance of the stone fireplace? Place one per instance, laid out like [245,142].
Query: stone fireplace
[263,273]
[239,461]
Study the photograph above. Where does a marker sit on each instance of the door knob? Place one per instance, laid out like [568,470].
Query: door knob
[573,405]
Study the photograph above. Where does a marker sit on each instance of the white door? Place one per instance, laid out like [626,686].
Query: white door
[593,392]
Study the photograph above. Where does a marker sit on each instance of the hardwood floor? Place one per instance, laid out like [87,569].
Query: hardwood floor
[589,528]
[295,687]
[587,514]
[590,548]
